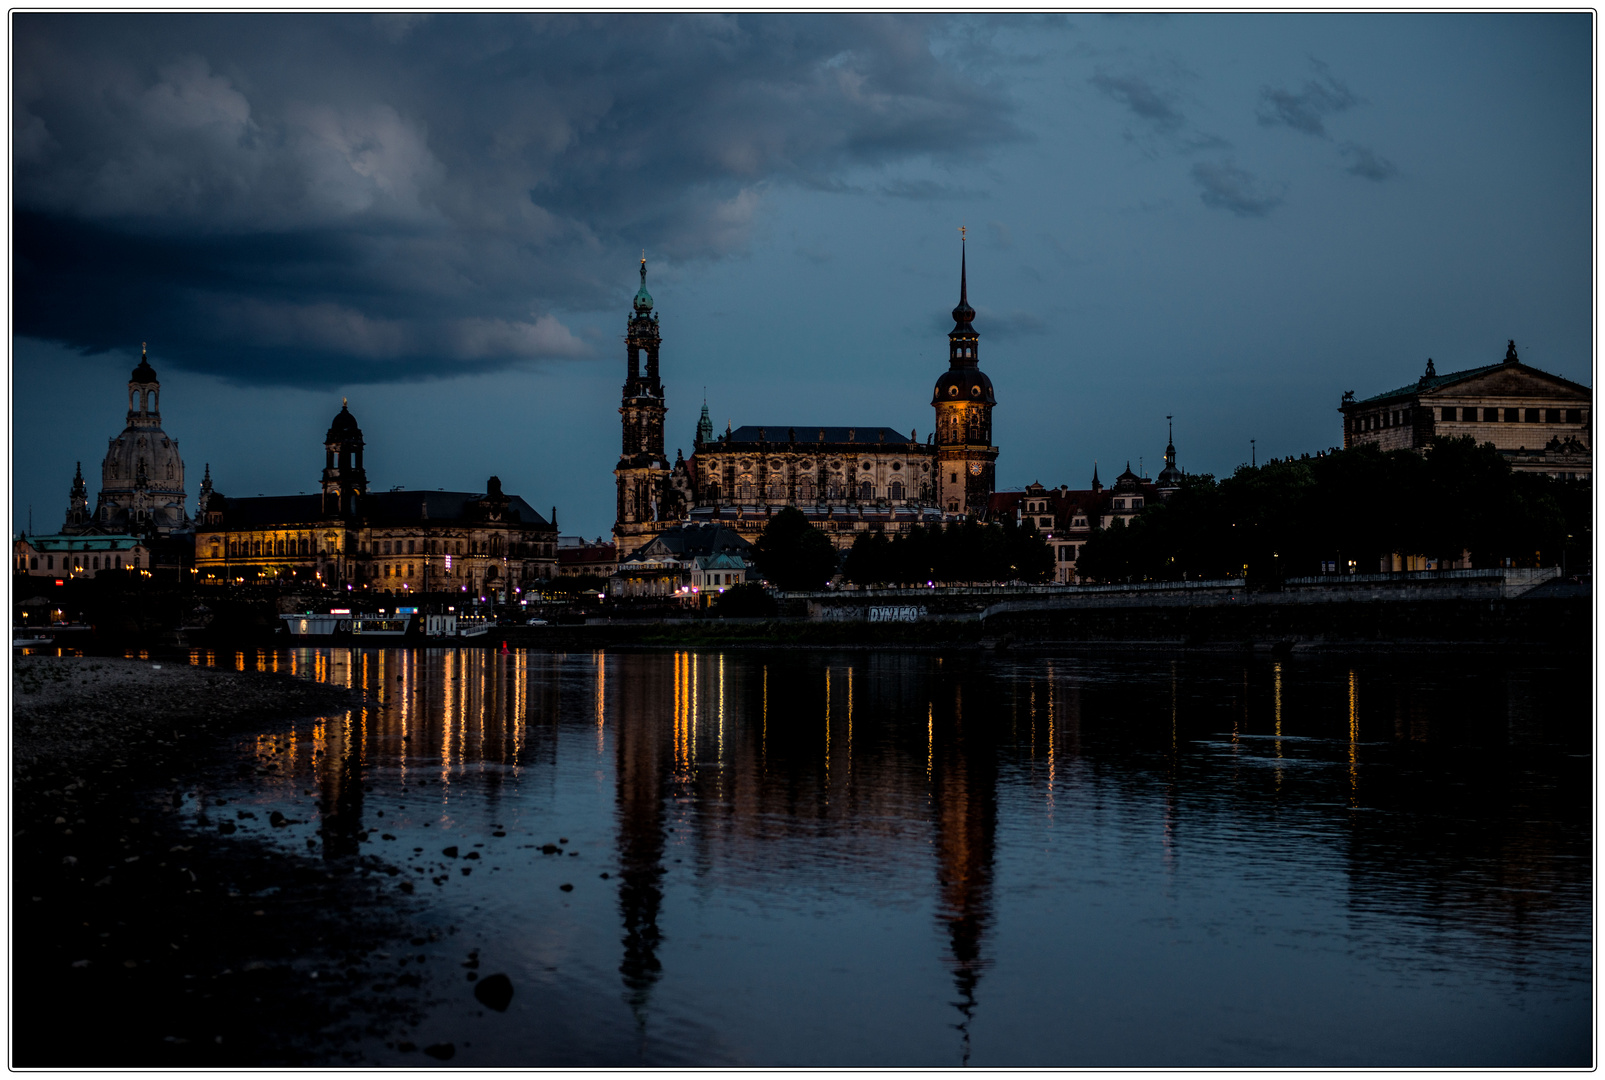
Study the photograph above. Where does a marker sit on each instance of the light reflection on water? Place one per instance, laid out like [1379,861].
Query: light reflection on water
[878,858]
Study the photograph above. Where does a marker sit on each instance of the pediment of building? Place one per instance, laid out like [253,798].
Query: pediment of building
[1515,381]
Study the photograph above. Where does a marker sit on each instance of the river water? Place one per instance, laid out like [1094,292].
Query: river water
[891,858]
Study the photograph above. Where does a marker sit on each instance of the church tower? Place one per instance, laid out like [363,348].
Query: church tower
[965,456]
[345,481]
[78,500]
[643,471]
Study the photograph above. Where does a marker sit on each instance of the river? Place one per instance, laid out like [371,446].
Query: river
[865,858]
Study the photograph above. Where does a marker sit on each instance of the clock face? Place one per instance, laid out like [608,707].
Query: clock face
[975,468]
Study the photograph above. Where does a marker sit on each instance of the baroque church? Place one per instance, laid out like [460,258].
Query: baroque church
[139,522]
[846,479]
[141,476]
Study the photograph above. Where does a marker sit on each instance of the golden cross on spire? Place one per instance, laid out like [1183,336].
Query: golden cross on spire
[342,403]
[961,234]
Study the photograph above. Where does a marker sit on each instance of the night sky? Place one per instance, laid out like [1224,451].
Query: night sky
[1228,218]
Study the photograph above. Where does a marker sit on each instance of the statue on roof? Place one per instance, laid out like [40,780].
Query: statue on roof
[1510,353]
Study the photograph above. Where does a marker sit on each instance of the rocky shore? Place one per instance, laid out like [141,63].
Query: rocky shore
[145,936]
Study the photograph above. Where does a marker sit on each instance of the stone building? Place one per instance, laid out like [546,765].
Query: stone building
[141,476]
[1540,422]
[1066,518]
[87,555]
[845,479]
[398,541]
[681,561]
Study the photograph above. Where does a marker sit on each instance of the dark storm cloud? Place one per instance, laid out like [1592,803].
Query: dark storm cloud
[1363,161]
[333,197]
[1306,110]
[1228,187]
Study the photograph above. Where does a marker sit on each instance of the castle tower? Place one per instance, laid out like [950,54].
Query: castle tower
[345,481]
[643,472]
[965,456]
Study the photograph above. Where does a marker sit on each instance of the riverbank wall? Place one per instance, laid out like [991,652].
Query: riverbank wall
[1529,610]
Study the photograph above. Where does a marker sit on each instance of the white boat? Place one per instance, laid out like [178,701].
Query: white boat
[345,624]
[452,625]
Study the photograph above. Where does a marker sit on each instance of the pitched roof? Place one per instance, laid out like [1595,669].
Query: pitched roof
[1428,383]
[810,433]
[689,541]
[379,508]
[89,542]
[1432,382]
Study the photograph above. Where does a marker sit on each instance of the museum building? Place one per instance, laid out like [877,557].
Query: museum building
[1539,422]
[402,542]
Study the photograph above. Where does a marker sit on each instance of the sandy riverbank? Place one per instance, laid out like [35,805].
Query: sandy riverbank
[143,934]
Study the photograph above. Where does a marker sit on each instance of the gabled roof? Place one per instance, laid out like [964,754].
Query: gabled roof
[689,541]
[1430,383]
[810,433]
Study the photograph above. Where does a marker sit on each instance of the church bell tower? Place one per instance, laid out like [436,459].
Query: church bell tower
[965,456]
[643,471]
[345,481]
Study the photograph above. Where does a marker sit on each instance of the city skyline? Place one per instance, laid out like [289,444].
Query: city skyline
[1231,219]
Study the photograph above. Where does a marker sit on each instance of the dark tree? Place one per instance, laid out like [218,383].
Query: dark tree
[793,555]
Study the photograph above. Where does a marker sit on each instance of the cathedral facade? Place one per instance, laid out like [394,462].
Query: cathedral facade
[141,476]
[845,479]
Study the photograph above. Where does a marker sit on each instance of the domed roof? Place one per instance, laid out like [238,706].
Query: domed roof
[144,372]
[343,426]
[142,456]
[963,384]
[643,299]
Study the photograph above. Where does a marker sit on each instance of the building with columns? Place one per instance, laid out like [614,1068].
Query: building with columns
[400,542]
[845,479]
[1539,422]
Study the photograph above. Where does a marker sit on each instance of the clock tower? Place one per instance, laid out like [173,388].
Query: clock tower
[642,473]
[965,456]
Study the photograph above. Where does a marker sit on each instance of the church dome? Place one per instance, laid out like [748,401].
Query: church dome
[643,299]
[142,457]
[963,384]
[343,426]
[144,372]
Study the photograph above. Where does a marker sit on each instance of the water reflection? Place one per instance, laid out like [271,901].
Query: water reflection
[1366,817]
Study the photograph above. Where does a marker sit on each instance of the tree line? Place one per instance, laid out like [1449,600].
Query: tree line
[794,555]
[1290,518]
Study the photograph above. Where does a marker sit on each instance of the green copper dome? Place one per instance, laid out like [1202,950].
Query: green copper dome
[643,299]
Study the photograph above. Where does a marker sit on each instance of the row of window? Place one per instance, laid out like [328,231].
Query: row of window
[238,549]
[79,562]
[775,491]
[1512,416]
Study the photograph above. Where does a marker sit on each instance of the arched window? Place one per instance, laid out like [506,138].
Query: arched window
[94,563]
[33,562]
[120,560]
[805,490]
[897,491]
[713,492]
[865,492]
[746,489]
[50,562]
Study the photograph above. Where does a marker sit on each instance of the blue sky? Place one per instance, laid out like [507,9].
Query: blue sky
[1228,218]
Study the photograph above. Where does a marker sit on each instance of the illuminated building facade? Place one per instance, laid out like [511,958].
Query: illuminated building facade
[141,476]
[396,541]
[1540,422]
[846,480]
